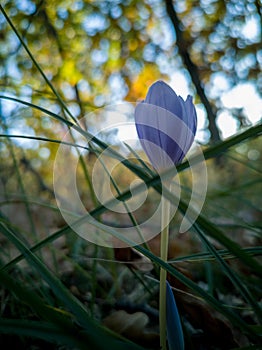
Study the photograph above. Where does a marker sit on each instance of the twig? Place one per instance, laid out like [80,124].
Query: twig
[193,70]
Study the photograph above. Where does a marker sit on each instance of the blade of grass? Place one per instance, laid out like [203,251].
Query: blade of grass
[41,330]
[215,303]
[235,319]
[62,322]
[209,153]
[232,275]
[244,162]
[201,257]
[20,181]
[53,334]
[205,225]
[61,292]
[45,139]
[50,85]
[209,229]
[88,136]
[209,274]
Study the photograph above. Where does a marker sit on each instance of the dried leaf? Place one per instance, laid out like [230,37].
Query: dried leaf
[132,326]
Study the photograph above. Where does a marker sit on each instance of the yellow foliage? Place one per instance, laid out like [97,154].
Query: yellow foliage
[147,76]
[133,44]
[70,73]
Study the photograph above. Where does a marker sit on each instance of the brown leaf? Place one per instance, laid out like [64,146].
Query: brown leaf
[131,326]
[124,323]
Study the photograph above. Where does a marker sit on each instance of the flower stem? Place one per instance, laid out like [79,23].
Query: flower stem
[163,274]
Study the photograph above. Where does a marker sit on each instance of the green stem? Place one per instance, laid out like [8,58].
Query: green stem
[163,274]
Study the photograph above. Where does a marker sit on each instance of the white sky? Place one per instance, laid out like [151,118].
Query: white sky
[241,96]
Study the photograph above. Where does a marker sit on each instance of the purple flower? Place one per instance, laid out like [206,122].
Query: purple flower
[166,125]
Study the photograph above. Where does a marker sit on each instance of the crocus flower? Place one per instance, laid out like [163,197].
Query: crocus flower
[174,330]
[166,125]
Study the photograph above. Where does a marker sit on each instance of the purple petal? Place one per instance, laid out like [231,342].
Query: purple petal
[191,111]
[162,151]
[174,330]
[166,125]
[162,95]
[162,135]
[191,122]
[190,119]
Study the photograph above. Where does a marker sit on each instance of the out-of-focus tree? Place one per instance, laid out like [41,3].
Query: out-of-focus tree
[89,54]
[99,52]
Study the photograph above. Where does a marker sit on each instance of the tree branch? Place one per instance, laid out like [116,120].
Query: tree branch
[193,70]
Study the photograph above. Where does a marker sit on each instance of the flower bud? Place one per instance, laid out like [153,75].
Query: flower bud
[166,125]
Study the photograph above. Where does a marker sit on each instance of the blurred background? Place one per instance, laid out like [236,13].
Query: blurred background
[74,57]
